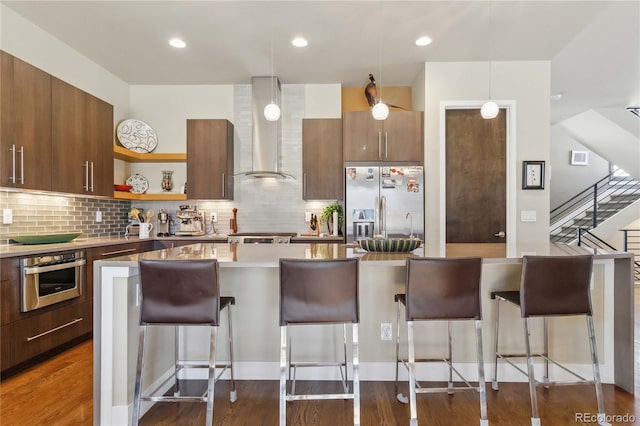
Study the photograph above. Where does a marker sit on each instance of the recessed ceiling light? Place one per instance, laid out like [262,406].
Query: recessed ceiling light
[557,96]
[299,42]
[423,41]
[176,42]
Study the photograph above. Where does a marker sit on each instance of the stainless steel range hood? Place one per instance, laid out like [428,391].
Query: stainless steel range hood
[266,134]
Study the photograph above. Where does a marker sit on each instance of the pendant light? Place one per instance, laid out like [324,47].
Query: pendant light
[490,109]
[272,110]
[380,110]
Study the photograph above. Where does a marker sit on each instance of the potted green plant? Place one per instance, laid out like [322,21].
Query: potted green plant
[327,216]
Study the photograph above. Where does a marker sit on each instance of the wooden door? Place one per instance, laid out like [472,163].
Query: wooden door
[26,123]
[403,138]
[99,144]
[475,184]
[68,138]
[210,159]
[362,136]
[322,167]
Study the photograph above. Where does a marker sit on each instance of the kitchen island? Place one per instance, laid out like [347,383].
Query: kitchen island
[250,274]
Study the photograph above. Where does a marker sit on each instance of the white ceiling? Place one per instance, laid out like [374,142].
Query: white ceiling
[593,46]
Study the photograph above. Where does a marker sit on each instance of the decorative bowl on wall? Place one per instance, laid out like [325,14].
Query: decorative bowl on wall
[389,245]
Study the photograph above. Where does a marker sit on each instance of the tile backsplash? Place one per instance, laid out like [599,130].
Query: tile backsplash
[38,214]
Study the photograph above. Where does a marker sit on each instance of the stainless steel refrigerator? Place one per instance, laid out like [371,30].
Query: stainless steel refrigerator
[384,201]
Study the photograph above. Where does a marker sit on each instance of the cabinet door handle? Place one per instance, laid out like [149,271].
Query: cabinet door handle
[22,165]
[379,145]
[12,178]
[37,336]
[92,176]
[86,176]
[386,145]
[110,253]
[223,185]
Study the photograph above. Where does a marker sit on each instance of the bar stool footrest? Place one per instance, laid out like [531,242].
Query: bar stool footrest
[308,397]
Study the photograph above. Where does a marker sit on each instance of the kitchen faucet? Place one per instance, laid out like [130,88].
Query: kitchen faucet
[409,215]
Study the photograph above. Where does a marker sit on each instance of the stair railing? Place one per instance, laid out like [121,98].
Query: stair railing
[631,244]
[588,199]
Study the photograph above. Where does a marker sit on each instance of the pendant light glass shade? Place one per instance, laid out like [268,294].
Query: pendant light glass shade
[380,111]
[272,112]
[489,110]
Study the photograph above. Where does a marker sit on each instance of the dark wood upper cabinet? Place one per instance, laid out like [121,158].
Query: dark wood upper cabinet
[210,159]
[322,165]
[53,136]
[399,138]
[82,141]
[100,145]
[25,135]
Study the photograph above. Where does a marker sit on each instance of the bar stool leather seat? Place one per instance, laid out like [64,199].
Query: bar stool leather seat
[182,293]
[319,292]
[550,286]
[440,289]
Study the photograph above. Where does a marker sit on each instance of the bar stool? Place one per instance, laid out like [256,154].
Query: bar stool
[319,292]
[182,293]
[441,289]
[550,286]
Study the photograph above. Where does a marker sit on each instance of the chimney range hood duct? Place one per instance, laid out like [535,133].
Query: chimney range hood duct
[266,134]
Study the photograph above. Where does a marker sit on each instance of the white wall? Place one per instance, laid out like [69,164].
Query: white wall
[323,101]
[525,82]
[30,43]
[567,180]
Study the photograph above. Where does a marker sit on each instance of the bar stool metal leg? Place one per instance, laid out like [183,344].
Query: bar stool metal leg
[345,376]
[212,375]
[412,376]
[449,359]
[596,372]
[535,417]
[356,375]
[482,388]
[545,331]
[400,397]
[176,350]
[138,383]
[494,382]
[233,396]
[283,375]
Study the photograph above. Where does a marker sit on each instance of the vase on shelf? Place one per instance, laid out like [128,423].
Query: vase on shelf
[167,180]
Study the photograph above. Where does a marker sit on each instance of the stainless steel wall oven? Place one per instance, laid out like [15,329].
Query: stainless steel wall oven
[51,279]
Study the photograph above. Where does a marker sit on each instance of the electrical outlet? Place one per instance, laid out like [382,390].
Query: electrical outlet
[7,216]
[214,217]
[307,216]
[385,331]
[98,216]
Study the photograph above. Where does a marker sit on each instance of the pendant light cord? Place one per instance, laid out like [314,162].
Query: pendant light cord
[380,48]
[491,41]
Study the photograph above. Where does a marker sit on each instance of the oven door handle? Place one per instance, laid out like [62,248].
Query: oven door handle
[29,270]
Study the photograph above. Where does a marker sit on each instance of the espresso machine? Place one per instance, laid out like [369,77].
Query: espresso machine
[189,221]
[163,224]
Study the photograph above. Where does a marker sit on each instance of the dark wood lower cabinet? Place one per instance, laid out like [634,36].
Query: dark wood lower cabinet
[5,348]
[40,333]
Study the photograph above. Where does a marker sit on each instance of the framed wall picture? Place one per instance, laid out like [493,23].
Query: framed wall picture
[579,158]
[533,175]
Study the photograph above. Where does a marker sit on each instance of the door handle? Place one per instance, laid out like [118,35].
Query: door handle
[500,234]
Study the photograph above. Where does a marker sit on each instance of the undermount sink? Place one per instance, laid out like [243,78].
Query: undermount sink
[389,245]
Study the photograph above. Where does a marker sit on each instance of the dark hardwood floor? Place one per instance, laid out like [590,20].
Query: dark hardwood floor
[59,392]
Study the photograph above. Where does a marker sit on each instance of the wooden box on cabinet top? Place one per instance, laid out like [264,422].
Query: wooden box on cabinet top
[322,166]
[399,138]
[210,159]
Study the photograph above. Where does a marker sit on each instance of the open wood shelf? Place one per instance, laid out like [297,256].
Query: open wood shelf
[122,195]
[124,154]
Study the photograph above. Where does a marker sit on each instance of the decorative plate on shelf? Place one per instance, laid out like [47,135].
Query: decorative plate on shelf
[137,136]
[139,184]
